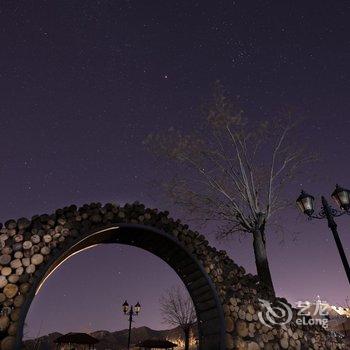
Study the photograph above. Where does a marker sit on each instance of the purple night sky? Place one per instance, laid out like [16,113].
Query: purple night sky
[82,84]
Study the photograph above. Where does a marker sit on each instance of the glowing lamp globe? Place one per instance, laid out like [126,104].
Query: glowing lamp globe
[342,197]
[305,203]
[137,308]
[125,307]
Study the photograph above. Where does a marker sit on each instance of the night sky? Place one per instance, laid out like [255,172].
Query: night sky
[82,84]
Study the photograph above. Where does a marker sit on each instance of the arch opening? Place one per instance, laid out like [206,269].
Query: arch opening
[211,326]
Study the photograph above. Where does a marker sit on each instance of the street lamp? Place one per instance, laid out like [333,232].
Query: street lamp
[131,312]
[306,204]
[342,197]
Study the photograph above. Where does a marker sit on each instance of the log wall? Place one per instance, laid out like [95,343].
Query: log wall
[225,297]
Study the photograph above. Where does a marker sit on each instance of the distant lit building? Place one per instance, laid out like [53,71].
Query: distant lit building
[338,317]
[76,341]
[154,344]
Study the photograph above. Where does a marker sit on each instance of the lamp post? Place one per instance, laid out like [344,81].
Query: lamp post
[341,196]
[131,312]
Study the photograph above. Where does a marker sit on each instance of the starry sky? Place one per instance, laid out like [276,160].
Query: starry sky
[84,82]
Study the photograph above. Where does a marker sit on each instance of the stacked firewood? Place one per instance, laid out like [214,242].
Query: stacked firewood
[27,246]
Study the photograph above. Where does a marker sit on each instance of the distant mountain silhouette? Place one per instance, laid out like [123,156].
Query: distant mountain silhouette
[109,340]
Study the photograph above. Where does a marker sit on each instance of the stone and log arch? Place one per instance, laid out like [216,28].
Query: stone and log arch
[226,299]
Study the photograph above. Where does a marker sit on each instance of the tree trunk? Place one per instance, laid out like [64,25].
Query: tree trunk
[262,264]
[186,331]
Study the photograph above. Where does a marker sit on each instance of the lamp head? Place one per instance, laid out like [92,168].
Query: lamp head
[137,308]
[305,203]
[342,197]
[125,307]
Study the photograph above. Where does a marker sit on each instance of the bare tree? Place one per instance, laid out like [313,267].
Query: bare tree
[178,310]
[234,172]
